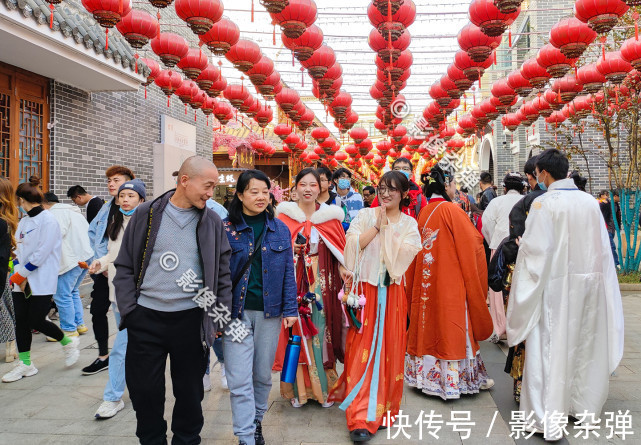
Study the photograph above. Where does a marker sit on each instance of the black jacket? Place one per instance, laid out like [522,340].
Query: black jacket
[518,215]
[487,195]
[5,253]
[138,244]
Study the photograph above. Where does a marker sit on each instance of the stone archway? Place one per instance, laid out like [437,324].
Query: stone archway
[486,155]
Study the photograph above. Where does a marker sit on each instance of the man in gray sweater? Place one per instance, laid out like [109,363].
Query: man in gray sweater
[173,290]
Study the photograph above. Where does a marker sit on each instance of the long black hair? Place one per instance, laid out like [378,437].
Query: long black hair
[435,181]
[399,181]
[236,206]
[115,225]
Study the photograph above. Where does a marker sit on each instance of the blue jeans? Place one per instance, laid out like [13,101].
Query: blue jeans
[218,350]
[115,387]
[67,298]
[613,247]
[249,372]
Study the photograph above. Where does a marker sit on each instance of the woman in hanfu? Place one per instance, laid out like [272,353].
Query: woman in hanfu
[381,244]
[319,240]
[447,290]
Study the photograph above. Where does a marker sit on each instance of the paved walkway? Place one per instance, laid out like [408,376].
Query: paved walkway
[57,405]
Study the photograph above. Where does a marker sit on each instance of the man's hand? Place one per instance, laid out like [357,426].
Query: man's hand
[94,267]
[23,285]
[297,248]
[288,322]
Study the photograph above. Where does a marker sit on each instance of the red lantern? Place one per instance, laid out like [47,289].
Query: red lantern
[485,15]
[590,77]
[287,98]
[383,147]
[386,7]
[296,17]
[553,99]
[208,106]
[473,70]
[554,61]
[264,116]
[271,86]
[459,78]
[600,15]
[520,84]
[247,104]
[333,73]
[350,120]
[154,70]
[535,73]
[400,20]
[306,119]
[542,107]
[193,63]
[160,3]
[567,87]
[138,27]
[200,15]
[170,48]
[236,95]
[477,44]
[221,36]
[107,12]
[572,37]
[614,67]
[500,105]
[282,131]
[168,81]
[274,6]
[341,156]
[489,109]
[386,49]
[398,67]
[531,112]
[380,126]
[217,87]
[508,6]
[207,77]
[631,51]
[555,118]
[511,121]
[450,87]
[480,116]
[223,112]
[305,45]
[320,61]
[244,54]
[253,108]
[439,94]
[358,134]
[261,70]
[198,99]
[292,140]
[340,104]
[187,90]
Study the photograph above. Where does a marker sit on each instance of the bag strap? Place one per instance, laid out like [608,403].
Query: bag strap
[249,260]
[418,204]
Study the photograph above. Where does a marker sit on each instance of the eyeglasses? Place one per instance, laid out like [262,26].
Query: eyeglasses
[403,169]
[385,190]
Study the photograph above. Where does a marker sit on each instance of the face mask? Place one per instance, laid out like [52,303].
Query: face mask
[127,213]
[343,184]
[542,185]
[407,174]
[23,211]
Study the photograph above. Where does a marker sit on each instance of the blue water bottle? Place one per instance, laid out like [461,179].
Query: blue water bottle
[290,364]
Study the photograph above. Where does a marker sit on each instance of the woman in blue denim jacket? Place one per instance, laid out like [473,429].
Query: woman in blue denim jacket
[263,294]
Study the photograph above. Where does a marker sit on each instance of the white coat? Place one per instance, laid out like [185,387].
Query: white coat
[496,218]
[75,236]
[565,304]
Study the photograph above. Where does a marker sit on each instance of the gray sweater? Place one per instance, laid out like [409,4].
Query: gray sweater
[174,274]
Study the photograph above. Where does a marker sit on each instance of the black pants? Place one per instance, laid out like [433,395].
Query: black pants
[152,336]
[30,314]
[99,307]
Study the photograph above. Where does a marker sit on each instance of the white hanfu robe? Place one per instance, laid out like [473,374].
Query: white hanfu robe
[565,304]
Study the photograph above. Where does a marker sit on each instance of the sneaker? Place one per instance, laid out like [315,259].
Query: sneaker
[53,314]
[223,377]
[258,434]
[97,366]
[82,329]
[19,371]
[206,383]
[487,384]
[295,403]
[72,353]
[494,338]
[107,409]
[51,339]
[327,404]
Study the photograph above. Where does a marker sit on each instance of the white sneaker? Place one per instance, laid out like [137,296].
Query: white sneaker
[19,371]
[206,383]
[72,353]
[107,409]
[295,403]
[223,377]
[487,384]
[327,404]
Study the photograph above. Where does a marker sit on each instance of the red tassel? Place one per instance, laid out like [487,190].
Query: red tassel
[195,116]
[185,109]
[273,35]
[302,77]
[603,39]
[107,38]
[635,16]
[253,11]
[494,57]
[546,126]
[512,137]
[576,71]
[293,60]
[158,23]
[389,10]
[208,121]
[145,92]
[168,99]
[136,62]
[479,71]
[51,7]
[509,37]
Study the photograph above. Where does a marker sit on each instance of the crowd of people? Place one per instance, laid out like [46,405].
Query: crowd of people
[397,282]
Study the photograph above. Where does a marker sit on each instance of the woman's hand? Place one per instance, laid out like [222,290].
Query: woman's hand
[95,267]
[288,322]
[23,285]
[346,275]
[382,217]
[297,248]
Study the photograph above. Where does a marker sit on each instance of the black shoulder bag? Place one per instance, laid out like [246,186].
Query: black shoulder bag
[249,260]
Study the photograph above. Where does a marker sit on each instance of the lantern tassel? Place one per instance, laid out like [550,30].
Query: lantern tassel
[273,35]
[479,71]
[293,60]
[302,77]
[635,16]
[252,11]
[107,39]
[145,92]
[51,7]
[168,99]
[494,57]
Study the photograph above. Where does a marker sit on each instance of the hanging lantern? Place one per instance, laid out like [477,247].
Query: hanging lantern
[508,6]
[193,63]
[168,81]
[306,119]
[160,3]
[200,15]
[305,45]
[477,44]
[154,70]
[332,74]
[631,52]
[450,87]
[519,84]
[459,78]
[386,49]
[244,54]
[590,78]
[208,106]
[340,104]
[236,95]
[554,99]
[614,67]
[503,108]
[485,15]
[198,99]
[296,17]
[187,90]
[554,61]
[481,118]
[572,37]
[261,70]
[380,126]
[282,131]
[386,7]
[207,77]
[542,107]
[274,6]
[600,15]
[535,73]
[320,61]
[438,93]
[395,69]
[138,27]
[556,118]
[217,87]
[254,108]
[400,20]
[472,70]
[267,89]
[510,121]
[170,48]
[351,118]
[221,36]
[223,112]
[107,13]
[567,87]
[490,110]
[286,99]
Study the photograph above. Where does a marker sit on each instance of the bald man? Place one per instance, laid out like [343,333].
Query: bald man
[174,295]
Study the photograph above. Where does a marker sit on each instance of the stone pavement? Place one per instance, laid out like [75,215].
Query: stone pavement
[57,405]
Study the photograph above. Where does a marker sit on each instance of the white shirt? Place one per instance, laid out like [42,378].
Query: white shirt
[74,229]
[496,218]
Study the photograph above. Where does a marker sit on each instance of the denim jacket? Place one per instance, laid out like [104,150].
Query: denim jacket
[279,283]
[97,228]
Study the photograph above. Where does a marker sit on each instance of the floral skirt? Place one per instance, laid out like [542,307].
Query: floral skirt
[7,316]
[447,379]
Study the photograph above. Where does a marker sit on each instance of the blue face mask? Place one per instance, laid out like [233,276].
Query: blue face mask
[343,184]
[407,174]
[541,185]
[128,213]
[23,211]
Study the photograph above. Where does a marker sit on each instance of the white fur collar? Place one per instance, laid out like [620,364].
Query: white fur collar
[323,214]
